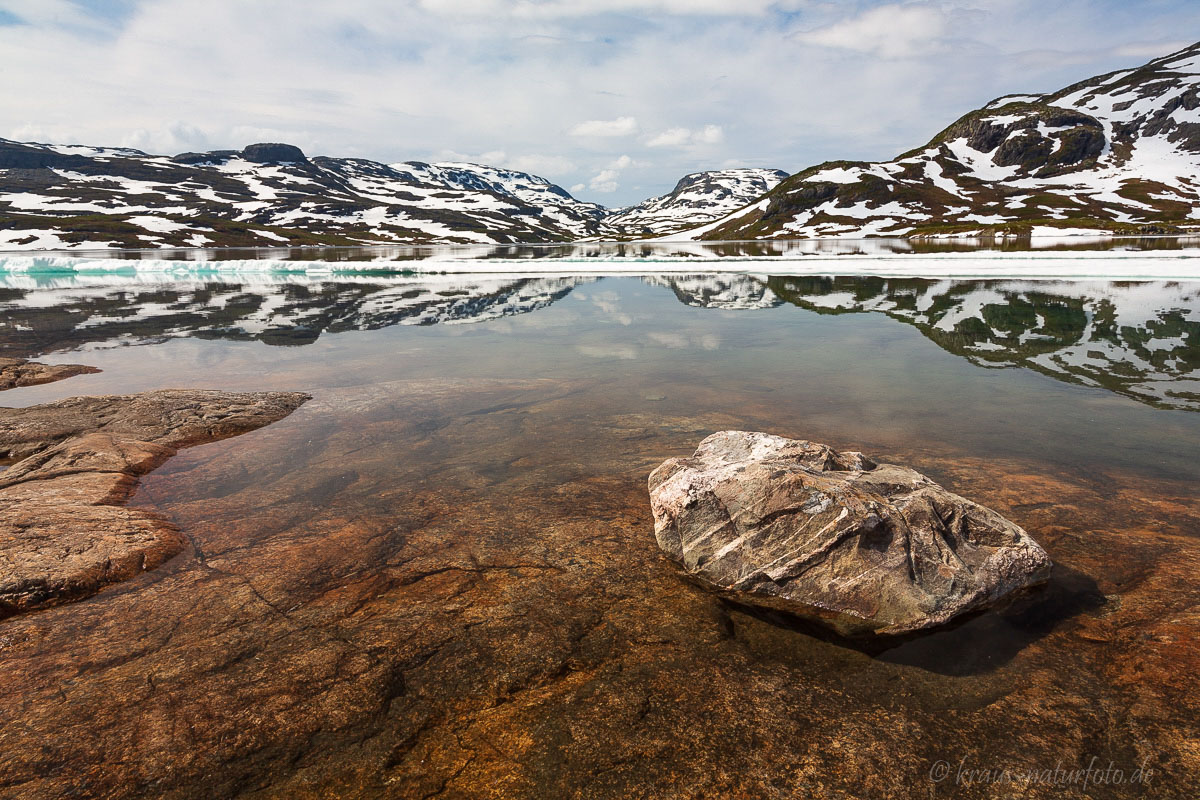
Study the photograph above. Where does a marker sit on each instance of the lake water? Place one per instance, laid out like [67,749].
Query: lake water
[438,578]
[592,252]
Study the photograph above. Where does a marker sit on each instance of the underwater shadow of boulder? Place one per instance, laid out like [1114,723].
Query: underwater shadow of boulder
[975,644]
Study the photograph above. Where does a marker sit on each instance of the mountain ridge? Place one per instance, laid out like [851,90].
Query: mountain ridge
[272,194]
[1115,153]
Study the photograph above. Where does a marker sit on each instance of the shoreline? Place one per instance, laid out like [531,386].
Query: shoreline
[1047,265]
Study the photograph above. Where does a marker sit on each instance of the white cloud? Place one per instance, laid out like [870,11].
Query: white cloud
[491,157]
[673,137]
[604,181]
[551,9]
[892,31]
[680,137]
[1149,50]
[176,137]
[621,126]
[709,134]
[576,188]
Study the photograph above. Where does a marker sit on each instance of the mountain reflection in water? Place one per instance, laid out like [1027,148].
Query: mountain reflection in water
[1137,339]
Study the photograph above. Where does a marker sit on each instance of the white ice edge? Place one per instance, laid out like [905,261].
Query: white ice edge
[1110,265]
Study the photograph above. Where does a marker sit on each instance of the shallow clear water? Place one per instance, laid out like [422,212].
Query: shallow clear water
[460,421]
[1081,372]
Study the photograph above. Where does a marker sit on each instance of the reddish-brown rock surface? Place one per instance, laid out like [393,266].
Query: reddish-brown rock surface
[449,589]
[64,530]
[16,372]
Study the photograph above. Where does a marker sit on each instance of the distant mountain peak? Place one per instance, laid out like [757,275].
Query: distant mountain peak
[697,198]
[273,153]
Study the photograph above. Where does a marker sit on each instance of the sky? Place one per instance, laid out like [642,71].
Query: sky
[614,100]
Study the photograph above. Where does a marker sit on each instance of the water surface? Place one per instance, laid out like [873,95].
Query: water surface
[439,576]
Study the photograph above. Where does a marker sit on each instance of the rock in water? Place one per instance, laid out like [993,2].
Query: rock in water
[861,547]
[16,372]
[65,532]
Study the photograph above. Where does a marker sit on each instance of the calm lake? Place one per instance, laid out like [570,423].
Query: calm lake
[439,577]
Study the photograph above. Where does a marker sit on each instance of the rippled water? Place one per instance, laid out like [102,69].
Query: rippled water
[462,508]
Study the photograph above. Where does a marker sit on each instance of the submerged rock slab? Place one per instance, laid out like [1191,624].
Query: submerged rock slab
[64,533]
[861,547]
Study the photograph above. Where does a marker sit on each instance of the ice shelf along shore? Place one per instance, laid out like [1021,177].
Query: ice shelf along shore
[1178,264]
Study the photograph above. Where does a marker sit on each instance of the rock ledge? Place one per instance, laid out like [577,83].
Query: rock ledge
[15,372]
[64,531]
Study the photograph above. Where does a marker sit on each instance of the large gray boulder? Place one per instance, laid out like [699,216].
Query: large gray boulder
[860,547]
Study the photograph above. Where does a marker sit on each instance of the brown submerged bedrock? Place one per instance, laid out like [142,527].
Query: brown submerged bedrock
[448,587]
[65,532]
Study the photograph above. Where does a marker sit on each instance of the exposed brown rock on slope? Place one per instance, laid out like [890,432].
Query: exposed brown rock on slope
[64,533]
[16,372]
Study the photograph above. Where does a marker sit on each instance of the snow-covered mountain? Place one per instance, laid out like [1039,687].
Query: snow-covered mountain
[698,198]
[1116,153]
[55,196]
[268,195]
[1119,152]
